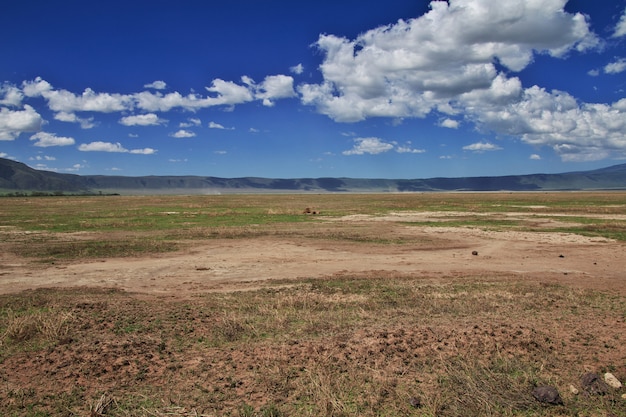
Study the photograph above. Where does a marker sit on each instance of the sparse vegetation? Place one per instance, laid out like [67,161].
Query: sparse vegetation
[357,345]
[63,228]
[380,343]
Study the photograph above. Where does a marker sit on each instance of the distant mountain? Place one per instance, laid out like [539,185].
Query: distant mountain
[16,176]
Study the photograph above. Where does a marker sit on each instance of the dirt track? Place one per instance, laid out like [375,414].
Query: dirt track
[436,252]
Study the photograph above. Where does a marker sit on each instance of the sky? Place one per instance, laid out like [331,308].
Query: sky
[324,88]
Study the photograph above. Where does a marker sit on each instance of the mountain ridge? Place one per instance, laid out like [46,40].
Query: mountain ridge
[17,176]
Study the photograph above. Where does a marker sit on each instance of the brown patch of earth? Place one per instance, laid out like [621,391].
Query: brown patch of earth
[398,360]
[231,264]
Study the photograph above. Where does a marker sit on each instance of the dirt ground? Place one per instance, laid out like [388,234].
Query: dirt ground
[105,357]
[234,264]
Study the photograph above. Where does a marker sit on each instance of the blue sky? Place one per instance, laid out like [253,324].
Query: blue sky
[325,88]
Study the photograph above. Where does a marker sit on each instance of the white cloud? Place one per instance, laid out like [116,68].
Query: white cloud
[408,149]
[10,95]
[75,168]
[374,146]
[157,85]
[14,122]
[414,67]
[43,158]
[481,147]
[36,88]
[229,93]
[149,119]
[297,69]
[68,102]
[144,151]
[575,131]
[620,29]
[593,72]
[192,121]
[220,93]
[370,146]
[213,125]
[273,87]
[45,139]
[182,133]
[444,60]
[100,146]
[449,123]
[85,123]
[535,157]
[616,67]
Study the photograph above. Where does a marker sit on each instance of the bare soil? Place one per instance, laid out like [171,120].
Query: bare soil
[235,264]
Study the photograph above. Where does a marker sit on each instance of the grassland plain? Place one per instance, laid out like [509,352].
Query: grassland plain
[377,305]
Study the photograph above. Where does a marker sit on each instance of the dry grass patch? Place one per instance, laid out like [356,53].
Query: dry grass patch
[343,346]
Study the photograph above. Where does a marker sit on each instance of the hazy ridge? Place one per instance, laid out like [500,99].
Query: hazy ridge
[16,176]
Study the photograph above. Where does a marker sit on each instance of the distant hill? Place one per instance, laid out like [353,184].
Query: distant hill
[16,176]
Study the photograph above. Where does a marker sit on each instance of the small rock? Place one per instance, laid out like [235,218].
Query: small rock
[573,389]
[415,402]
[548,395]
[592,384]
[623,396]
[475,253]
[610,379]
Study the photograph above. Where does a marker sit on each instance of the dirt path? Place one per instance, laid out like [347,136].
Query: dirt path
[446,252]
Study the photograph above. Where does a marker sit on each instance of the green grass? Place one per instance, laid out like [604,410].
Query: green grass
[50,229]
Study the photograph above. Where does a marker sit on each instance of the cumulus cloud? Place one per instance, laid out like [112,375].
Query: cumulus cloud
[408,149]
[414,67]
[192,121]
[10,95]
[616,67]
[99,146]
[85,122]
[481,147]
[273,87]
[535,157]
[229,93]
[449,123]
[14,122]
[68,102]
[149,119]
[213,125]
[144,151]
[43,158]
[374,146]
[220,93]
[577,132]
[45,139]
[445,62]
[370,146]
[157,85]
[620,29]
[297,69]
[182,133]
